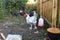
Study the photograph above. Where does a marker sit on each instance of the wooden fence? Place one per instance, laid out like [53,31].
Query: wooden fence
[48,8]
[58,13]
[45,8]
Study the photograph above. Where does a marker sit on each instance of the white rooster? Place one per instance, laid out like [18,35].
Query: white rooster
[31,19]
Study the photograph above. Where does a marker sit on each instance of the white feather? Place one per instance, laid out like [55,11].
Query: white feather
[31,19]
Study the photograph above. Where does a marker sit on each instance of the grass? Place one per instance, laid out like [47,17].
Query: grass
[3,15]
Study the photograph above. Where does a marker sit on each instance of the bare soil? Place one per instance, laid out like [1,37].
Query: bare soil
[18,25]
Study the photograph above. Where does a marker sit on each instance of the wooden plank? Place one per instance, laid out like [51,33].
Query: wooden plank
[58,15]
[54,13]
[2,35]
[41,7]
[47,10]
[48,21]
[38,6]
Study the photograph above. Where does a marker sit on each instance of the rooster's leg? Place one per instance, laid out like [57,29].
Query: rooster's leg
[31,26]
[35,26]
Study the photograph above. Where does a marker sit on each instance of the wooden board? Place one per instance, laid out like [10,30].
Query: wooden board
[58,14]
[54,13]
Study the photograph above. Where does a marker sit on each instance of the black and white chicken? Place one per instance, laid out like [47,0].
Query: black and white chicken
[31,19]
[21,12]
[14,13]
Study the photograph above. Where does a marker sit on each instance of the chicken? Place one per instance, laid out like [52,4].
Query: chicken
[21,12]
[14,13]
[17,13]
[31,19]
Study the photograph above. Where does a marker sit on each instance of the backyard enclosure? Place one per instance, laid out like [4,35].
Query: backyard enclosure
[17,25]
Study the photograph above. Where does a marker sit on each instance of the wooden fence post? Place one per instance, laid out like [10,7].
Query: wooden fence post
[39,6]
[54,13]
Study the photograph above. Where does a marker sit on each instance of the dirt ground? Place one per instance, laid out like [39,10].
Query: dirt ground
[18,25]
